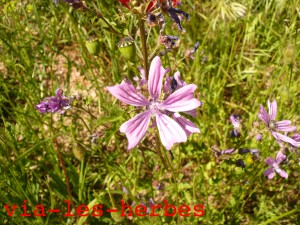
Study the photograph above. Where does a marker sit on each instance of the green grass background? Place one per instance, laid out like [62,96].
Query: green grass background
[241,63]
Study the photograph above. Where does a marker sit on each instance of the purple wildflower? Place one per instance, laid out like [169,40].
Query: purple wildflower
[234,119]
[258,137]
[179,101]
[57,103]
[125,190]
[274,127]
[274,166]
[236,125]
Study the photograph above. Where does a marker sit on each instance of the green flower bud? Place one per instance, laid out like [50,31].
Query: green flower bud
[127,48]
[93,46]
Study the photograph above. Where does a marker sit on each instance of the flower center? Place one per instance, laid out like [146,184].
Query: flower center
[275,166]
[272,125]
[154,106]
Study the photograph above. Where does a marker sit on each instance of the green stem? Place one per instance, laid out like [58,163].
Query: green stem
[281,216]
[100,16]
[144,46]
[62,164]
[154,51]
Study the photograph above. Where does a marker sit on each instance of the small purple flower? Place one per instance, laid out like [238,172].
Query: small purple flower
[57,103]
[258,137]
[274,127]
[234,119]
[274,166]
[125,190]
[170,130]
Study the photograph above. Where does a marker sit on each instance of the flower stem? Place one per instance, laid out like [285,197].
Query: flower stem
[61,162]
[144,46]
[100,16]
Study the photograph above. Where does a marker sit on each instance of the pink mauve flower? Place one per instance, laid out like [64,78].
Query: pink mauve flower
[276,126]
[274,166]
[171,131]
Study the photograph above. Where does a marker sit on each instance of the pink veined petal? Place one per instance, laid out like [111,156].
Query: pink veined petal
[280,137]
[135,128]
[169,131]
[156,74]
[186,125]
[263,115]
[284,125]
[127,93]
[181,100]
[272,109]
[280,157]
[281,172]
[270,161]
[192,112]
[270,173]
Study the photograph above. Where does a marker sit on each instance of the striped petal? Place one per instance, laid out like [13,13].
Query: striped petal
[169,131]
[270,173]
[186,124]
[263,115]
[127,93]
[272,109]
[285,126]
[135,128]
[181,100]
[156,74]
[282,173]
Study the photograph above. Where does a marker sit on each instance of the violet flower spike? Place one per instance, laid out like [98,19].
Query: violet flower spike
[57,103]
[274,127]
[274,166]
[169,130]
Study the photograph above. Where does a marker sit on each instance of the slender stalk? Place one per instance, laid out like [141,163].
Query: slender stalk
[174,178]
[63,168]
[65,171]
[144,46]
[100,16]
[154,51]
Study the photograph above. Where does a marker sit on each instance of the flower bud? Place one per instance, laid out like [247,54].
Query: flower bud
[289,54]
[93,46]
[127,48]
